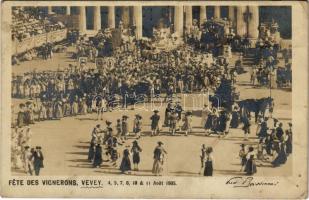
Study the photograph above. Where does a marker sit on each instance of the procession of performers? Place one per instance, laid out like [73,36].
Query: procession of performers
[137,72]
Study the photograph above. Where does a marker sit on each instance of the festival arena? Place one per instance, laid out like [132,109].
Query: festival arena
[151,91]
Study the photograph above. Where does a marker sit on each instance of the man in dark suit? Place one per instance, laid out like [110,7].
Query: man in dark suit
[38,160]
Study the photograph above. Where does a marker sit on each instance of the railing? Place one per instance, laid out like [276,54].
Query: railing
[38,40]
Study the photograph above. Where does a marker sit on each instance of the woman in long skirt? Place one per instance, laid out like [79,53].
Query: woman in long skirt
[124,127]
[158,156]
[75,106]
[125,166]
[58,110]
[288,142]
[208,170]
[205,113]
[235,118]
[42,112]
[250,167]
[83,106]
[187,127]
[281,157]
[208,124]
[136,149]
[97,156]
[49,111]
[91,152]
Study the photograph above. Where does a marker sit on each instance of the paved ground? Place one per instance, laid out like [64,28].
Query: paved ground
[65,142]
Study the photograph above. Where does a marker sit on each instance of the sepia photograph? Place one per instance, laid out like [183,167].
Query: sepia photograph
[145,91]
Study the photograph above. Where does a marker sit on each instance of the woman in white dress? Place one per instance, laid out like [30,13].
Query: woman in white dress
[205,113]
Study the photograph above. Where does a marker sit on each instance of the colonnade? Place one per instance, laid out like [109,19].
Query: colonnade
[246,18]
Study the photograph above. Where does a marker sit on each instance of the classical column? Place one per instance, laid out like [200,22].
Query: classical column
[253,22]
[240,22]
[138,21]
[203,15]
[232,13]
[217,13]
[97,18]
[178,20]
[68,10]
[111,16]
[125,16]
[188,11]
[49,10]
[82,19]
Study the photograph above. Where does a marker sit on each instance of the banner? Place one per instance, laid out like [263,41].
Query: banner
[99,62]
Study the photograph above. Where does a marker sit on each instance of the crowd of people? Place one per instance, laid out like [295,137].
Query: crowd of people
[136,73]
[126,78]
[274,147]
[28,22]
[268,70]
[23,156]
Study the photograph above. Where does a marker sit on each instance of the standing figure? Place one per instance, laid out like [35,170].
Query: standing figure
[209,122]
[168,111]
[260,149]
[246,127]
[269,145]
[288,140]
[124,127]
[37,160]
[74,106]
[114,155]
[221,123]
[21,116]
[42,112]
[96,134]
[205,113]
[178,110]
[235,117]
[203,157]
[91,152]
[125,166]
[209,161]
[187,127]
[263,128]
[97,161]
[242,155]
[158,156]
[119,130]
[173,122]
[28,160]
[155,118]
[281,154]
[137,126]
[58,113]
[279,131]
[250,167]
[136,149]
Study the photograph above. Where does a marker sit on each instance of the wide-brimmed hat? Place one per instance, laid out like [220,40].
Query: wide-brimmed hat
[108,122]
[155,111]
[125,117]
[160,143]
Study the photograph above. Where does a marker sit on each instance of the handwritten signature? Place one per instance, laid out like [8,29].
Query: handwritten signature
[248,182]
